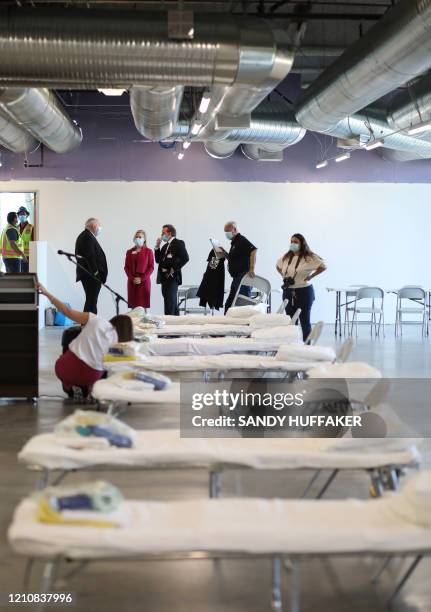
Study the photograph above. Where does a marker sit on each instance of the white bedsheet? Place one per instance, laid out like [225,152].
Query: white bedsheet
[106,390]
[226,525]
[165,448]
[211,346]
[205,320]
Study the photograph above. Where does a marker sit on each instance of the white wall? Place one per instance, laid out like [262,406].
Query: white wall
[367,233]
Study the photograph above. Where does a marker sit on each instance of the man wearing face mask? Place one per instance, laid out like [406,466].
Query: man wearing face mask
[171,257]
[241,261]
[93,260]
[26,235]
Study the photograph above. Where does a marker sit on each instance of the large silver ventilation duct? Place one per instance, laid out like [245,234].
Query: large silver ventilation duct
[394,51]
[155,110]
[88,48]
[14,138]
[263,64]
[273,127]
[39,112]
[372,125]
[412,106]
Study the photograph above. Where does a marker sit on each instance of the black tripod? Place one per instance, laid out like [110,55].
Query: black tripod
[118,298]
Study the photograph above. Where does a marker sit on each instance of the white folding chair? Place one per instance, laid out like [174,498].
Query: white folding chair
[184,305]
[350,296]
[415,294]
[259,284]
[344,350]
[295,316]
[375,294]
[315,333]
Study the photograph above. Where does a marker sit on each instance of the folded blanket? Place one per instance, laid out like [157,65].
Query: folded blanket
[246,311]
[304,352]
[91,429]
[269,320]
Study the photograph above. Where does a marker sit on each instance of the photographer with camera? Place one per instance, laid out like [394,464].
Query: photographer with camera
[297,267]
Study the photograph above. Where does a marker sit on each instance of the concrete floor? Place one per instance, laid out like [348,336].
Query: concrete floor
[338,584]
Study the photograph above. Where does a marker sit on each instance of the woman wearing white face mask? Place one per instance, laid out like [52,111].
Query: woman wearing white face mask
[139,266]
[297,267]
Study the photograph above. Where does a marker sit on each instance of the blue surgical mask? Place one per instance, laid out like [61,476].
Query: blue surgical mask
[22,218]
[165,237]
[294,247]
[139,242]
[228,235]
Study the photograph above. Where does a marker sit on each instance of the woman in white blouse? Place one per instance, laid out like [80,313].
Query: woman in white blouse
[297,267]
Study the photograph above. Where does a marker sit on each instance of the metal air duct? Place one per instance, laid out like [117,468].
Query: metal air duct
[39,112]
[155,110]
[14,138]
[394,51]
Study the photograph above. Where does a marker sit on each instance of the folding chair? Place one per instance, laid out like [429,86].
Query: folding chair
[315,333]
[415,294]
[374,294]
[261,286]
[184,304]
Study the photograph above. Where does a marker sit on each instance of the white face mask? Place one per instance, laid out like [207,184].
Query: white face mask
[97,232]
[139,242]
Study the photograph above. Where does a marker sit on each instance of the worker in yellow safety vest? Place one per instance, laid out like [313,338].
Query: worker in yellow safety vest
[26,233]
[10,246]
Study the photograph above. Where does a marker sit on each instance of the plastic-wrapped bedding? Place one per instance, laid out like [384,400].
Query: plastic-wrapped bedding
[165,448]
[118,389]
[305,352]
[285,526]
[256,321]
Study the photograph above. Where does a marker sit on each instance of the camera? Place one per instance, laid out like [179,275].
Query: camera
[288,282]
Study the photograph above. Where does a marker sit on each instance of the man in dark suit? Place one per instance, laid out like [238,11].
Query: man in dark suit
[94,260]
[171,257]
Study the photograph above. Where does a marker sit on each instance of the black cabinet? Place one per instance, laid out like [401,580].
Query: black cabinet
[19,336]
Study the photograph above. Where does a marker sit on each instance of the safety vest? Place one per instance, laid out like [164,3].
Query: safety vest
[25,238]
[6,250]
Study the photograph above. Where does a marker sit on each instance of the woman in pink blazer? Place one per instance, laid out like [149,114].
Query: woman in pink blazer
[139,266]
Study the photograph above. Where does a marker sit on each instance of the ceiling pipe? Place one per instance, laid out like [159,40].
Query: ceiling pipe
[394,51]
[412,106]
[264,62]
[14,138]
[273,127]
[103,48]
[39,112]
[155,110]
[372,124]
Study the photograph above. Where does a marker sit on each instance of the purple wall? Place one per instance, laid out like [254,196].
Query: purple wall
[112,149]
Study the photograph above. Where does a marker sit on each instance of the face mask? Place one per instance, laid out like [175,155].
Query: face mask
[97,232]
[294,247]
[165,237]
[22,218]
[228,235]
[139,242]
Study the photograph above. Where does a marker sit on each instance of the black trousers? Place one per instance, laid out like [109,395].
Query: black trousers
[170,296]
[302,298]
[92,289]
[12,265]
[236,281]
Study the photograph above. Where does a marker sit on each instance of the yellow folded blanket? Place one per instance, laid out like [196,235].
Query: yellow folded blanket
[46,514]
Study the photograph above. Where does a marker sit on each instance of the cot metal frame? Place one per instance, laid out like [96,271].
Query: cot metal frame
[51,569]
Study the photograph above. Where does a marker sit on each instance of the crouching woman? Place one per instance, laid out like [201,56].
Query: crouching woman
[81,365]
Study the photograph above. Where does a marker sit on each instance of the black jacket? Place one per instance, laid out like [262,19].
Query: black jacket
[95,260]
[211,290]
[173,255]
